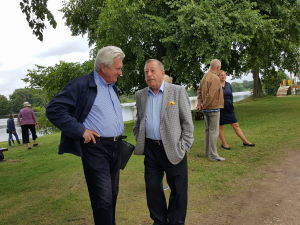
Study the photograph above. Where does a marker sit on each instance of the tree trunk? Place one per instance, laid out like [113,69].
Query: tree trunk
[257,88]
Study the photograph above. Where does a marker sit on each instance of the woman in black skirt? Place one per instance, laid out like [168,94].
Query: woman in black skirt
[227,115]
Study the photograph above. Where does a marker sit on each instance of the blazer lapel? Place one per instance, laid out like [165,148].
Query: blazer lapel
[144,98]
[165,100]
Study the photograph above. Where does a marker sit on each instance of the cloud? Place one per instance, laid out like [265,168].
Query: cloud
[20,49]
[73,46]
[11,81]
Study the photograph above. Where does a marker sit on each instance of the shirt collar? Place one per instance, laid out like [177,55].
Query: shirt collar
[161,89]
[214,72]
[99,79]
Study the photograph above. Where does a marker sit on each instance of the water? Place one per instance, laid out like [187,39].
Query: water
[128,110]
[238,96]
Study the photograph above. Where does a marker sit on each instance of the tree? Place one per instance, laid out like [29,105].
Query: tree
[248,36]
[276,43]
[53,79]
[237,87]
[5,106]
[34,96]
[36,12]
[272,80]
[184,34]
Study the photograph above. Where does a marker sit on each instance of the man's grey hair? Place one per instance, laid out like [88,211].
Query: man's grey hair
[157,61]
[215,63]
[106,56]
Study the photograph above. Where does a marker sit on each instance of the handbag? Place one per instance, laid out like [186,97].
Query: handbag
[199,115]
[7,131]
[126,150]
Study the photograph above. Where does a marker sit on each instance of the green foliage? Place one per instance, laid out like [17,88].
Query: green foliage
[5,105]
[44,125]
[248,35]
[245,86]
[237,87]
[32,95]
[248,84]
[36,12]
[81,15]
[277,40]
[272,80]
[54,79]
[127,98]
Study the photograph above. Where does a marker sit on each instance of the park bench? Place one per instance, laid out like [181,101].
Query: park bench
[1,153]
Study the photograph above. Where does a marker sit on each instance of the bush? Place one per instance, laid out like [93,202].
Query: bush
[271,81]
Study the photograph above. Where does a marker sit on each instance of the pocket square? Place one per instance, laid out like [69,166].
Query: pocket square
[172,103]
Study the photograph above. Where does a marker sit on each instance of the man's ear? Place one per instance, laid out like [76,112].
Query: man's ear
[102,67]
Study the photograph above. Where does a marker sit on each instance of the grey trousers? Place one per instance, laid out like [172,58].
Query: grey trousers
[212,121]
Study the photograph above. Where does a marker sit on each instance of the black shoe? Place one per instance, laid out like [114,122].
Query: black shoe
[35,144]
[226,148]
[249,145]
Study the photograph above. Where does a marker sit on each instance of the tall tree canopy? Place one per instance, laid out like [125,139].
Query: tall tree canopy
[247,36]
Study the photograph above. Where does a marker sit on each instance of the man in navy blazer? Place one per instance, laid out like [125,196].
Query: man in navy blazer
[88,112]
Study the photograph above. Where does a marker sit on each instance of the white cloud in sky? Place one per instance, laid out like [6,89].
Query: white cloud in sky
[21,50]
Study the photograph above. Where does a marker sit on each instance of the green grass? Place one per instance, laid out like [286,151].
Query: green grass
[40,187]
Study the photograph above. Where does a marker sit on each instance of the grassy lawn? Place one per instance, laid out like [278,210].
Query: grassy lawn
[40,187]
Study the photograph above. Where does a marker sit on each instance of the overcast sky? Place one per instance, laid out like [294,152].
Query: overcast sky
[21,50]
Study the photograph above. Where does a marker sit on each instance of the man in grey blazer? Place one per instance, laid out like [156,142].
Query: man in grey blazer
[164,133]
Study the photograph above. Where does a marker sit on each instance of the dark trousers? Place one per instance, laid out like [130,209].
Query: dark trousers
[101,164]
[156,164]
[25,132]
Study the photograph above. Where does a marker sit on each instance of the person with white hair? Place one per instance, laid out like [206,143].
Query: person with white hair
[210,101]
[27,120]
[89,114]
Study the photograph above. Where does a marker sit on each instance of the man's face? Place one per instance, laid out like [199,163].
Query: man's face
[111,73]
[154,75]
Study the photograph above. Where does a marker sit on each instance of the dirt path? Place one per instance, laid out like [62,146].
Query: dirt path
[275,200]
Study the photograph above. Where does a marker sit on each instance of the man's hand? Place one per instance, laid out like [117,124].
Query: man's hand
[89,135]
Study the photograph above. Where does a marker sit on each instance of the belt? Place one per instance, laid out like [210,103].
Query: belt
[115,138]
[154,142]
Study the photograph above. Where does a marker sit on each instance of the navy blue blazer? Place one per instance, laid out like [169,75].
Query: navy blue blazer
[69,108]
[11,125]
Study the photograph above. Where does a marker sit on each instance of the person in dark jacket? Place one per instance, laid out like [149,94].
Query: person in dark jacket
[88,112]
[11,129]
[227,115]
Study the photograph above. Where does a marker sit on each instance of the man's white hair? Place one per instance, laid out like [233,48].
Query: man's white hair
[106,56]
[215,63]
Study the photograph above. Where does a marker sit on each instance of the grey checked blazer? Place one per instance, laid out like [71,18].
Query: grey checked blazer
[176,124]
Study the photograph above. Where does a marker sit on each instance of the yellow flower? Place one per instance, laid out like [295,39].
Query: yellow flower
[172,103]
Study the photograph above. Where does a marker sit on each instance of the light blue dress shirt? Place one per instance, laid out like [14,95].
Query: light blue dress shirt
[105,116]
[153,110]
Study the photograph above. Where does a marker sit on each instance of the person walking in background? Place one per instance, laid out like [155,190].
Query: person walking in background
[89,114]
[27,121]
[164,133]
[210,100]
[11,129]
[227,115]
